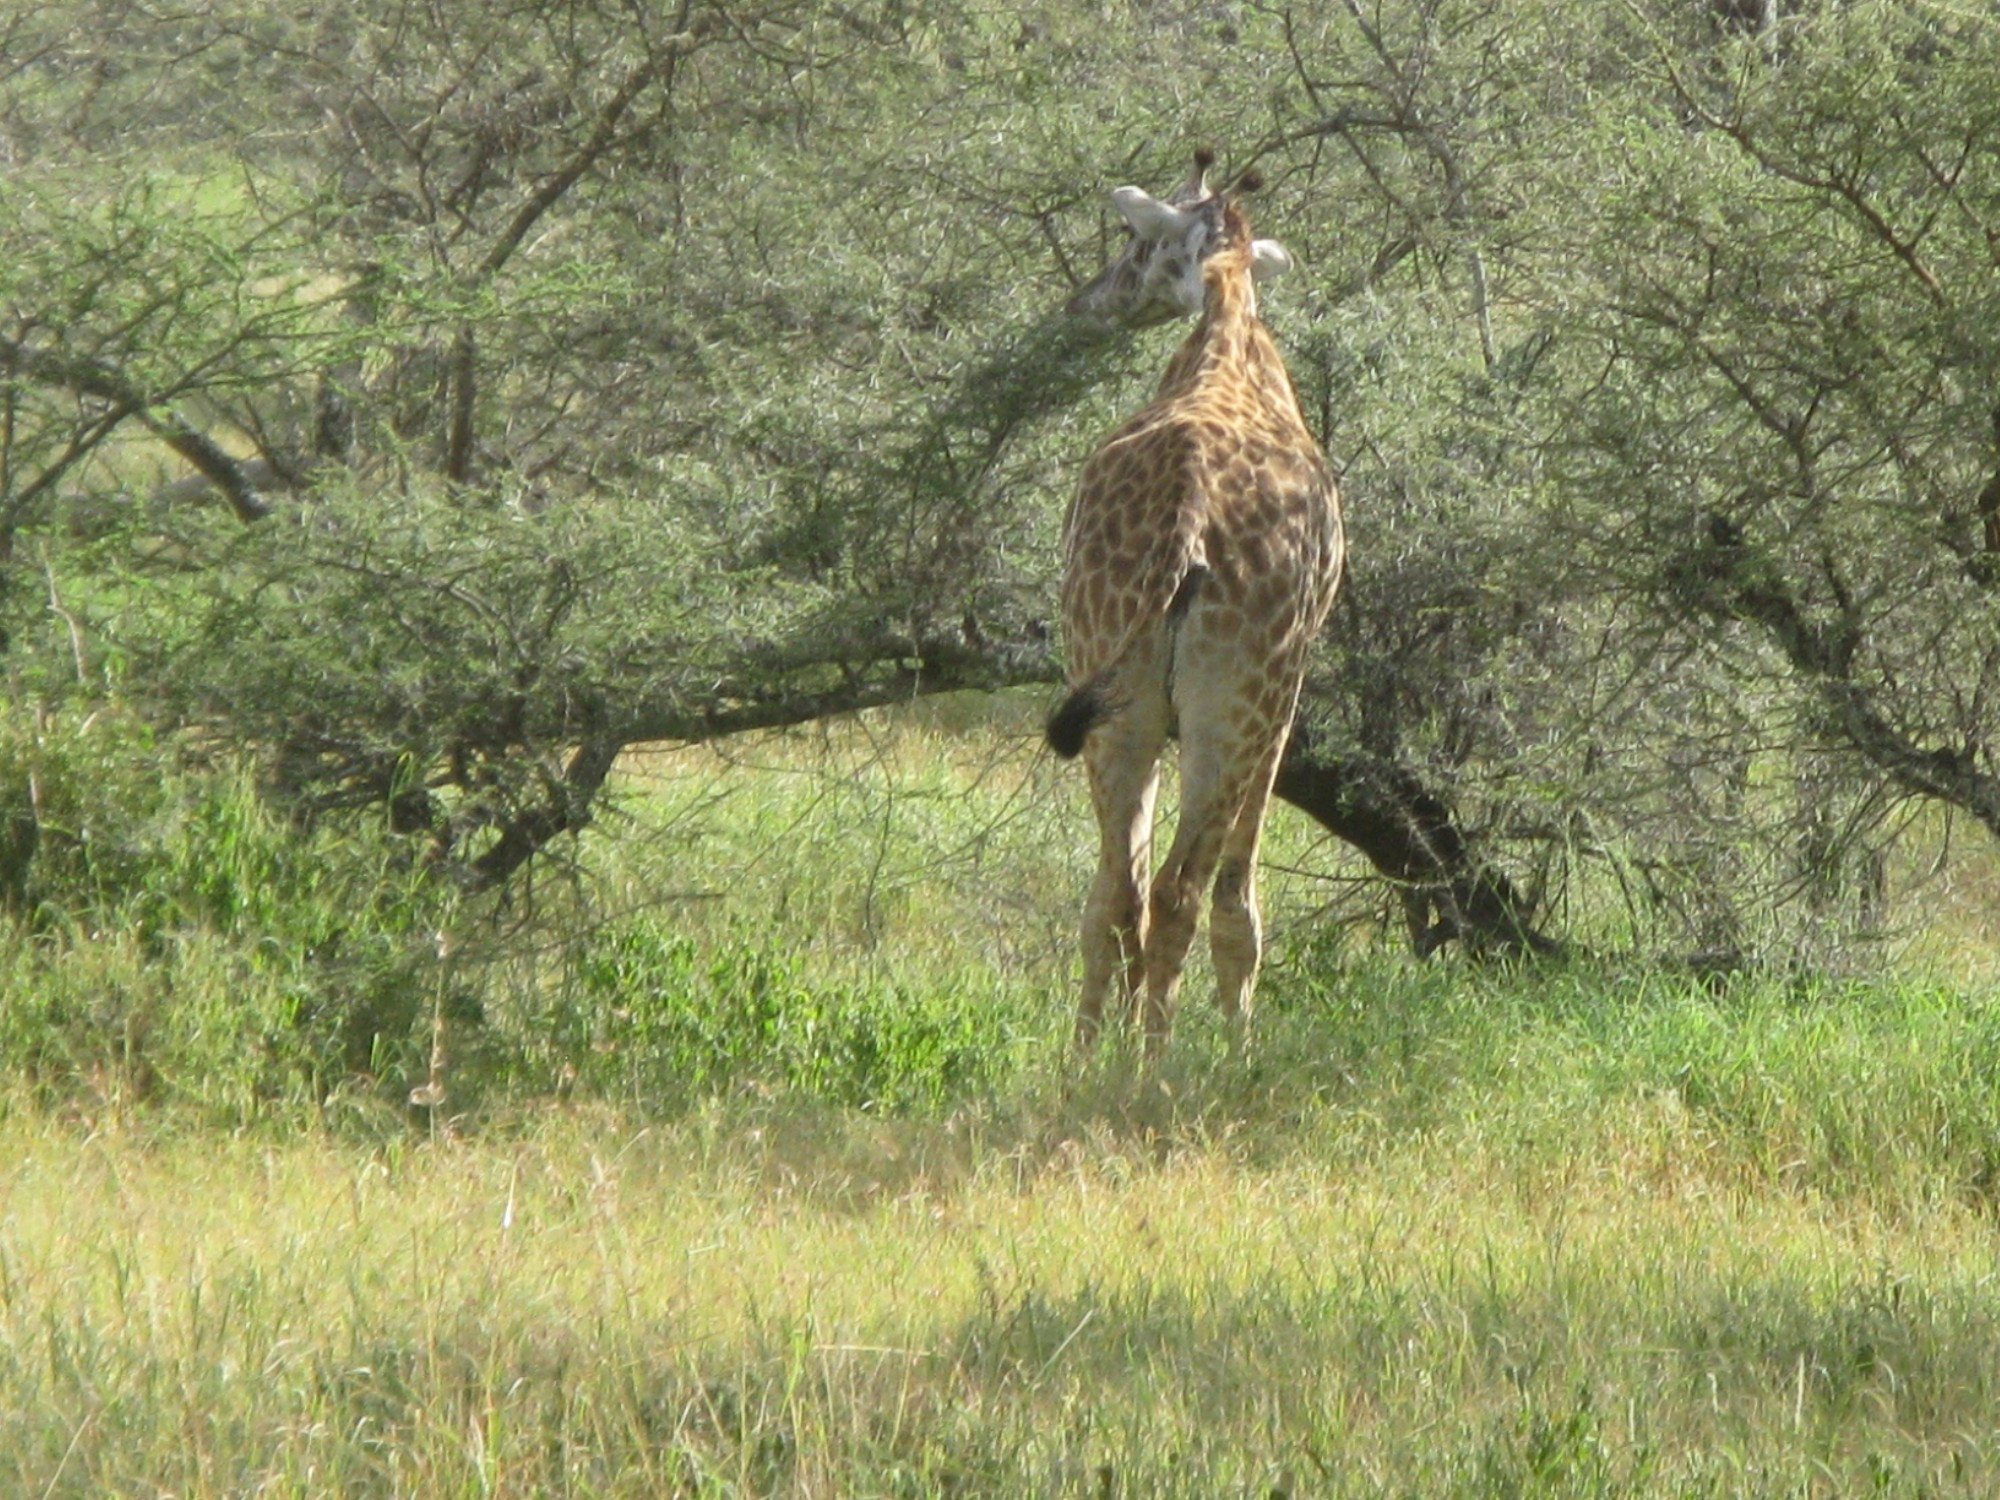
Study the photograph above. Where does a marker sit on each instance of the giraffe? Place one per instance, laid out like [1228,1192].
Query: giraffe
[1201,555]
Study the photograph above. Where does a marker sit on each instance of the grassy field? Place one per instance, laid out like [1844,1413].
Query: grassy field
[775,1184]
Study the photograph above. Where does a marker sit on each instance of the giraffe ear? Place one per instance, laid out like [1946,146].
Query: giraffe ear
[1149,217]
[1269,259]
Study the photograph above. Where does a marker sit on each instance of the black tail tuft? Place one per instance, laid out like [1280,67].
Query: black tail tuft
[1081,712]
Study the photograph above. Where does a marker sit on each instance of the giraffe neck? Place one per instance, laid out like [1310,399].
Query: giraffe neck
[1231,348]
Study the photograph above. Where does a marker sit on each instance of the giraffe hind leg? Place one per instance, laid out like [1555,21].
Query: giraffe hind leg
[1231,738]
[1173,909]
[1215,845]
[1211,791]
[1123,762]
[1235,927]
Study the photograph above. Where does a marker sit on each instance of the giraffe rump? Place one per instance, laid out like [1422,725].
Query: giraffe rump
[1095,700]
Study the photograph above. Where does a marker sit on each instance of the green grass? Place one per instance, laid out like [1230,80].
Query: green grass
[1433,1236]
[770,1297]
[758,1171]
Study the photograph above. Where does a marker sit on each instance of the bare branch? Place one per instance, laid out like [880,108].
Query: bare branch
[1727,579]
[602,138]
[100,381]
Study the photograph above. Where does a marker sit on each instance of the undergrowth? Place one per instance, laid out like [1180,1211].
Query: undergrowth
[178,953]
[654,1016]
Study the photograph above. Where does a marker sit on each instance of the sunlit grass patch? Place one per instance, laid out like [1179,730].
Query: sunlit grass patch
[864,832]
[720,1307]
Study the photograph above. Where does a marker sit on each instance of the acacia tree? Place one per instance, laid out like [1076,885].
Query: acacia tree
[1794,432]
[535,509]
[607,400]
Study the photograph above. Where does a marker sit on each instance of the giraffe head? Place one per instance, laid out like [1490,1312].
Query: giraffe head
[1158,275]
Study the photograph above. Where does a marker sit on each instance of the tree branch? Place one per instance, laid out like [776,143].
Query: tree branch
[1725,579]
[102,382]
[1407,832]
[901,670]
[1845,189]
[463,368]
[602,137]
[1403,828]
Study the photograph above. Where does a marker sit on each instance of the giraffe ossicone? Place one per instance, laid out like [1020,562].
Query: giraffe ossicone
[1201,556]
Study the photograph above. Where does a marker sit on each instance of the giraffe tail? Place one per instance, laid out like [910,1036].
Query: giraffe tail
[1081,712]
[1096,700]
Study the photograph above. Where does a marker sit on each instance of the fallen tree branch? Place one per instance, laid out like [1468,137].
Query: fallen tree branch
[1408,833]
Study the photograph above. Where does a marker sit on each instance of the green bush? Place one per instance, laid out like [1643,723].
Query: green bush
[668,1018]
[174,938]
